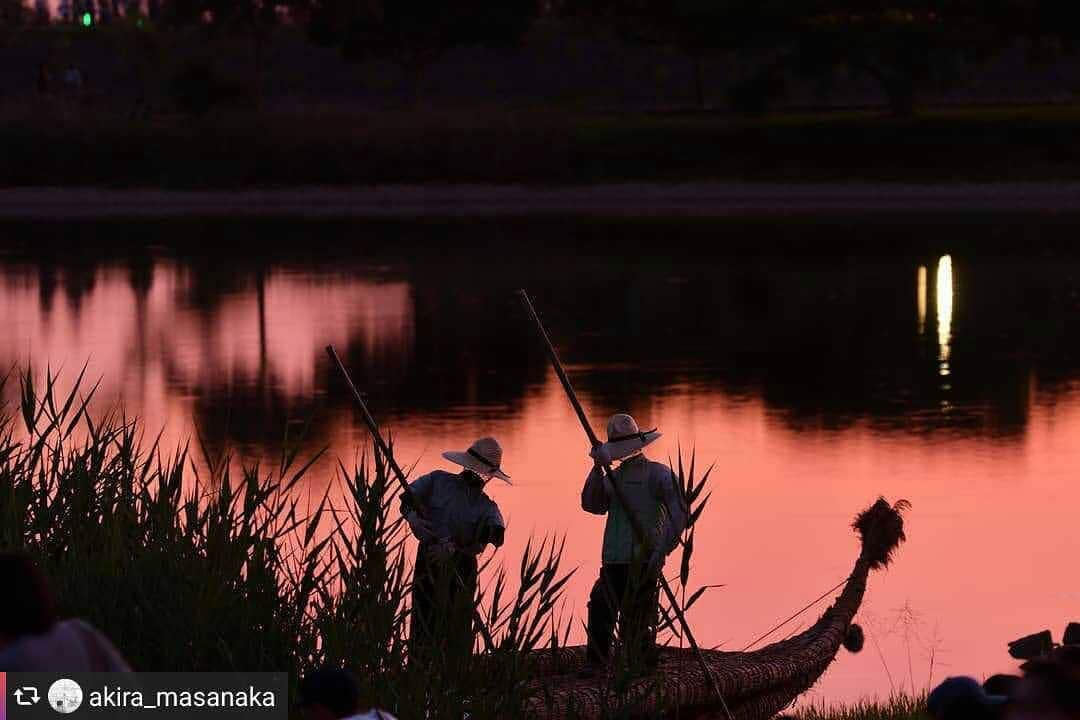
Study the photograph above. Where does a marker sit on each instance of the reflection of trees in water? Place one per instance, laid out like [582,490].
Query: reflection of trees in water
[825,347]
[827,341]
[821,323]
[78,281]
[140,273]
[472,345]
[47,282]
[250,417]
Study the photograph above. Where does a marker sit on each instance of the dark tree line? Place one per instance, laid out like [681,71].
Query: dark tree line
[416,33]
[904,46]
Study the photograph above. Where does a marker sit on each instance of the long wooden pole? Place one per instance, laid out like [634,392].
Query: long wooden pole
[635,521]
[376,434]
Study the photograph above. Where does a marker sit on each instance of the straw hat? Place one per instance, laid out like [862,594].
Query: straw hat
[625,438]
[483,457]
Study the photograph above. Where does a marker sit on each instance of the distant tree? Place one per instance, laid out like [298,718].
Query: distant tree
[144,52]
[251,18]
[256,19]
[902,45]
[699,28]
[415,33]
[13,14]
[42,14]
[1049,28]
[196,88]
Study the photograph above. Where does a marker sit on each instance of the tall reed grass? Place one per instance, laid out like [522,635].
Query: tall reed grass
[224,570]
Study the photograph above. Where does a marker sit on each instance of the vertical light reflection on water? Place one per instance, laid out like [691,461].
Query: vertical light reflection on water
[920,297]
[944,301]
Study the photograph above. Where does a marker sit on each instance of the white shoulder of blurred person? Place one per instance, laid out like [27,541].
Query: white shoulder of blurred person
[68,646]
[372,715]
[33,639]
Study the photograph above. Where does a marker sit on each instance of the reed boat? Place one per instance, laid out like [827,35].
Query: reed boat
[754,685]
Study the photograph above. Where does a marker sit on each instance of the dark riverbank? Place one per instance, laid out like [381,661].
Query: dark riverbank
[627,200]
[48,147]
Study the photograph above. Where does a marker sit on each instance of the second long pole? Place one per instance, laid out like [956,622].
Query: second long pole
[635,522]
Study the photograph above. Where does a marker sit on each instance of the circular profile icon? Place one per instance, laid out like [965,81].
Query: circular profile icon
[65,696]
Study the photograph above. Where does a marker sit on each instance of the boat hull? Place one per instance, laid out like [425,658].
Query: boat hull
[754,685]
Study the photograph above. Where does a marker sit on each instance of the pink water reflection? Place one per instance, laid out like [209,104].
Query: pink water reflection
[154,352]
[990,535]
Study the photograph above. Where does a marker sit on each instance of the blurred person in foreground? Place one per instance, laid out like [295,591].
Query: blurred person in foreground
[32,639]
[1050,688]
[963,698]
[331,693]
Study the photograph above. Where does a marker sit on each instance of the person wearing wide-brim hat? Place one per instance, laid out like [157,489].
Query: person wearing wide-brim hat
[627,588]
[454,520]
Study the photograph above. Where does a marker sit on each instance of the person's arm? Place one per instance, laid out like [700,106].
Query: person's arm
[419,493]
[667,492]
[492,531]
[412,502]
[596,495]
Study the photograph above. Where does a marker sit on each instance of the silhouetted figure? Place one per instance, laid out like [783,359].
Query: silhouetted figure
[627,588]
[1050,689]
[332,694]
[1032,646]
[1071,636]
[454,520]
[962,698]
[1002,685]
[31,638]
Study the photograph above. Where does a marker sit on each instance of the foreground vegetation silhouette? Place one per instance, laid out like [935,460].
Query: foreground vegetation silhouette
[195,565]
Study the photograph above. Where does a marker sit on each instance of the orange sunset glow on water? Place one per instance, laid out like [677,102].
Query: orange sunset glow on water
[812,387]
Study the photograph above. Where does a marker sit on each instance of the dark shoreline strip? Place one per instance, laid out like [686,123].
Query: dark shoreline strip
[630,200]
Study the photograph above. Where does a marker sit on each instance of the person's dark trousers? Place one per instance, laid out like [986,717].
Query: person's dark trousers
[442,605]
[623,594]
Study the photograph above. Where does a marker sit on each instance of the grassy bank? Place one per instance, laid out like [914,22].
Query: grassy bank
[900,707]
[48,146]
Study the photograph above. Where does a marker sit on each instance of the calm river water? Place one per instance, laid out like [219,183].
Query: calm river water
[817,364]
